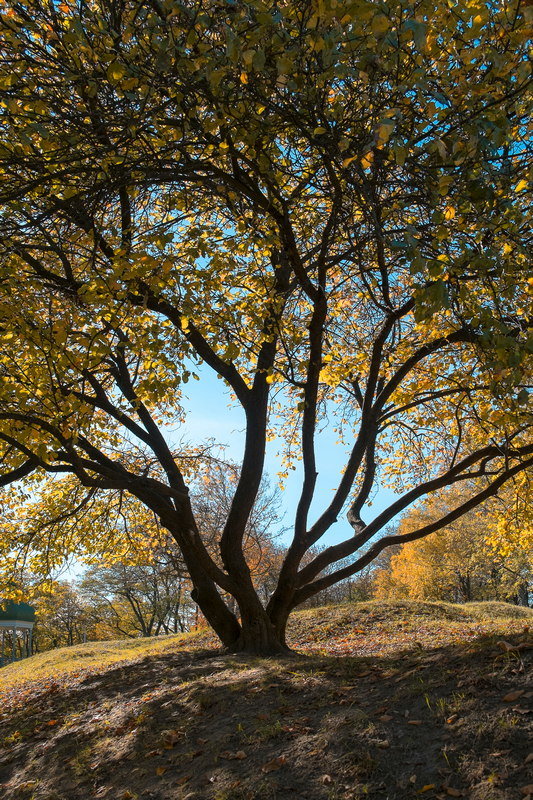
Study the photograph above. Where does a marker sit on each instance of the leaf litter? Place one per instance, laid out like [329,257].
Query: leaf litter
[439,719]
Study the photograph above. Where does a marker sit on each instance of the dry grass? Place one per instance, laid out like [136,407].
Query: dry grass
[368,628]
[396,701]
[95,656]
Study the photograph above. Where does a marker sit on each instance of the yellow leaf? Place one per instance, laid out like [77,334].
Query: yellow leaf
[366,161]
[244,77]
[521,185]
[348,161]
[449,212]
[384,132]
[379,24]
[115,71]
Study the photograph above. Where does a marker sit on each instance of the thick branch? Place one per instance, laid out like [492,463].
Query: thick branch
[453,475]
[225,369]
[19,473]
[328,580]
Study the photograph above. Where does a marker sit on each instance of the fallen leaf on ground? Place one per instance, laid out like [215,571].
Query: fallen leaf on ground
[453,792]
[510,697]
[527,789]
[273,765]
[426,788]
[326,779]
[229,756]
[506,647]
[170,739]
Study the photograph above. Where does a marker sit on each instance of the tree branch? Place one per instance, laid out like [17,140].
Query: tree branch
[310,589]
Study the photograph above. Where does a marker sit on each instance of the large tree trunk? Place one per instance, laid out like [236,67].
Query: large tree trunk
[218,615]
[254,633]
[258,631]
[259,636]
[522,595]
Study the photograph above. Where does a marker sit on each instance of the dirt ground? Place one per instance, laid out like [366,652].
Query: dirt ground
[449,721]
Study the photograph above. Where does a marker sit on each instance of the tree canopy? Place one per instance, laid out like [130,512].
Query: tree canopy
[463,561]
[323,203]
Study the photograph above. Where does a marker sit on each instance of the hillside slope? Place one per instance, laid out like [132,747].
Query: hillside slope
[395,700]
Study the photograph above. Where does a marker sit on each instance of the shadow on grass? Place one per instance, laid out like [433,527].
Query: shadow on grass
[206,725]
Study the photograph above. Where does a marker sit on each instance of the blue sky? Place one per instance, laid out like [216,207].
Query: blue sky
[210,414]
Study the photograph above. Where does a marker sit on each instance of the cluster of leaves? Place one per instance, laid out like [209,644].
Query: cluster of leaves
[326,204]
[472,559]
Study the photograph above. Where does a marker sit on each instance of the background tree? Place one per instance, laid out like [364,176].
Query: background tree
[63,618]
[358,587]
[326,205]
[137,581]
[144,599]
[462,562]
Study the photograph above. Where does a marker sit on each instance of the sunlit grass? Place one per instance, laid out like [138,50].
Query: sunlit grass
[63,661]
[317,626]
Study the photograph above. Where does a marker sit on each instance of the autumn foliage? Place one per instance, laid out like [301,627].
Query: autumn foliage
[323,204]
[468,560]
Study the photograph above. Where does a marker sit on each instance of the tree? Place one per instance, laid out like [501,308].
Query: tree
[62,617]
[463,561]
[326,205]
[145,599]
[129,553]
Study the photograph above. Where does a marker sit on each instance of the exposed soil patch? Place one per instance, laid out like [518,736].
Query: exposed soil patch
[450,721]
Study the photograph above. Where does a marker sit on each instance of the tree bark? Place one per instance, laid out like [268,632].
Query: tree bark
[259,636]
[254,633]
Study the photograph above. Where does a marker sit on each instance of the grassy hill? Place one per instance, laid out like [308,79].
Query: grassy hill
[394,700]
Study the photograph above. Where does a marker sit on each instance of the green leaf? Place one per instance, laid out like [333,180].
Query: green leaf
[259,59]
[419,31]
[116,71]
